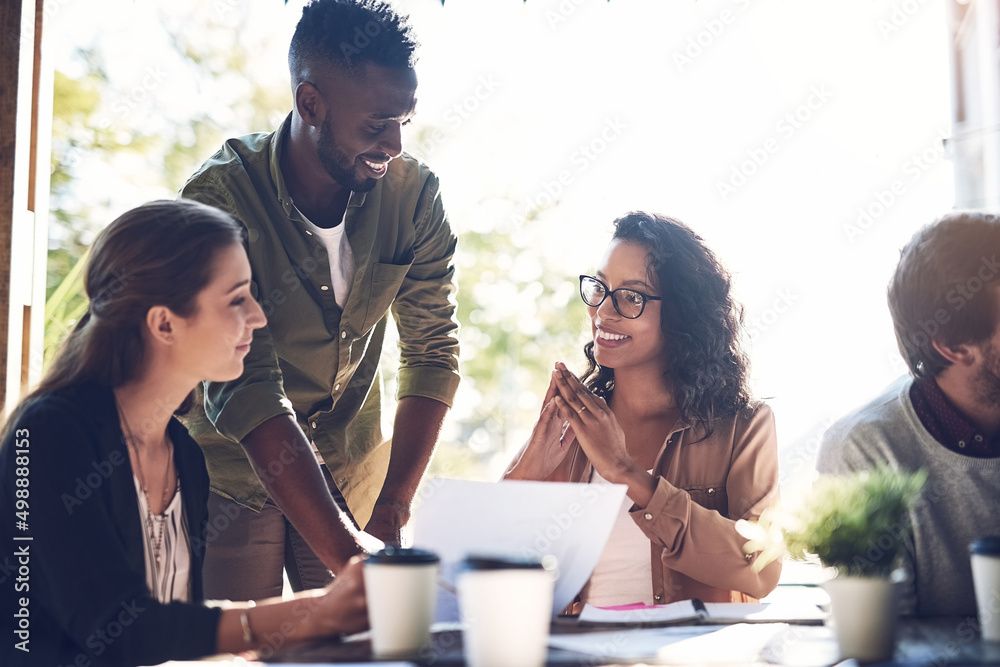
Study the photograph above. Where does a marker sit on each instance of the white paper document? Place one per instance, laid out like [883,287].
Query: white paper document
[680,645]
[456,518]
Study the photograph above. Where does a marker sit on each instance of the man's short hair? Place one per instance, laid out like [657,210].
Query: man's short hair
[348,34]
[944,288]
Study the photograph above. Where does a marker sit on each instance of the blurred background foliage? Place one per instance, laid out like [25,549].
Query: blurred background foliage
[144,148]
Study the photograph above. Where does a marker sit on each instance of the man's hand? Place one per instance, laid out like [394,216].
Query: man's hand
[387,522]
[415,433]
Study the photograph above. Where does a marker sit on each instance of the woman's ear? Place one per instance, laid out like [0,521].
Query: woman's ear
[309,104]
[160,323]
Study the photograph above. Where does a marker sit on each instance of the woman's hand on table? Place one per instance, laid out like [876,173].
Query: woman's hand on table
[341,607]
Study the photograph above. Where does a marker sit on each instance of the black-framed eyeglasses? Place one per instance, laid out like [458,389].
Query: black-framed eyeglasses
[627,302]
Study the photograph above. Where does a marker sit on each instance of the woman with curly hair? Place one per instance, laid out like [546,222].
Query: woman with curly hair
[664,409]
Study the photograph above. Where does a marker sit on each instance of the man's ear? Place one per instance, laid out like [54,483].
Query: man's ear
[160,323]
[962,354]
[309,104]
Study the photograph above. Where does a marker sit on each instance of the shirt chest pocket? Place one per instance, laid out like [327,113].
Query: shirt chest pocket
[710,497]
[383,288]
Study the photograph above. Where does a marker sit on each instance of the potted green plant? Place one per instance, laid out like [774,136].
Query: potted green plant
[858,525]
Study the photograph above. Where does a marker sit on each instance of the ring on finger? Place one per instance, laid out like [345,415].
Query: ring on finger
[582,408]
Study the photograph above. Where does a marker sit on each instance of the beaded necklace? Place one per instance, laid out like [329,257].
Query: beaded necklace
[154,528]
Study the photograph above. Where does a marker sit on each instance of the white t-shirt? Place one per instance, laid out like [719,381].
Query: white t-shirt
[341,258]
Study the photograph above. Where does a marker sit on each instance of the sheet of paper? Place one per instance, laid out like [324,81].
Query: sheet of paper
[681,645]
[572,522]
[762,612]
[631,644]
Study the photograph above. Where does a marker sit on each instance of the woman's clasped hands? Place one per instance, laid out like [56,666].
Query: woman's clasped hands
[596,428]
[572,412]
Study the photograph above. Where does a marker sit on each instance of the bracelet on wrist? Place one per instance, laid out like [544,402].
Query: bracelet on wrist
[249,638]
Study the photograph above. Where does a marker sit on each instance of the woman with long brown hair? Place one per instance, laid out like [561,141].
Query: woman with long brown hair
[102,491]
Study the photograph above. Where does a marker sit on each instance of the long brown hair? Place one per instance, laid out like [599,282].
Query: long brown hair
[158,254]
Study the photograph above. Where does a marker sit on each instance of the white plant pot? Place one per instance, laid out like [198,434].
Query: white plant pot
[863,613]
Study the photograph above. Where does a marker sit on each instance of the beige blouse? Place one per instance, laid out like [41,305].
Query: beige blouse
[704,486]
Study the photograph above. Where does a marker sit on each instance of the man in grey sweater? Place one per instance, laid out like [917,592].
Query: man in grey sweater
[945,303]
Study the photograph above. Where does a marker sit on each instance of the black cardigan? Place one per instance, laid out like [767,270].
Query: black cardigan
[85,585]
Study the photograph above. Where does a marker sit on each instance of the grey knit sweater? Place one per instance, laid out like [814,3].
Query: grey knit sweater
[960,502]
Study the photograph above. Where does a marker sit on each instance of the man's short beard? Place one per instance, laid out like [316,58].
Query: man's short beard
[337,164]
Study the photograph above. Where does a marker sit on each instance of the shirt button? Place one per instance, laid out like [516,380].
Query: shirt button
[961,443]
[711,492]
[313,424]
[979,438]
[343,334]
[309,233]
[324,287]
[336,387]
[657,597]
[647,516]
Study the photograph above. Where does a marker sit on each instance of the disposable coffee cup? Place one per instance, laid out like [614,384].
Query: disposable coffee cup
[985,555]
[506,606]
[401,587]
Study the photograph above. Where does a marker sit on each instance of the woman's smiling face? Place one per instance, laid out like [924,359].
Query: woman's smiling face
[620,342]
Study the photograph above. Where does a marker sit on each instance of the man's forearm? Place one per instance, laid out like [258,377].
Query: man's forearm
[415,434]
[285,463]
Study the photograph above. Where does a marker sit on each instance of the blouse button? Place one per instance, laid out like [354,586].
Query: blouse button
[313,424]
[979,438]
[343,334]
[324,287]
[647,516]
[961,443]
[711,492]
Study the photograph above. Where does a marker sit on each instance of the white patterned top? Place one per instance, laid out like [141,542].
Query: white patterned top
[171,580]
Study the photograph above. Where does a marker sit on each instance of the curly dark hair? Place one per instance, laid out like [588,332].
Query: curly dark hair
[942,288]
[350,33]
[701,322]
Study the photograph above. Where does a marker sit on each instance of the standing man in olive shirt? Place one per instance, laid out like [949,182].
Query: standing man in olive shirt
[343,228]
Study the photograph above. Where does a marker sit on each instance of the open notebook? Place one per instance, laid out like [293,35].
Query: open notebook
[696,611]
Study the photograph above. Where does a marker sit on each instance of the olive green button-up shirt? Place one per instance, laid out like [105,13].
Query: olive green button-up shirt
[313,360]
